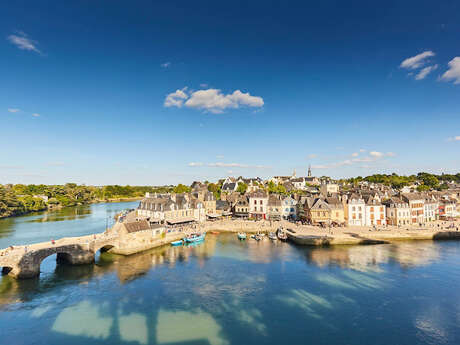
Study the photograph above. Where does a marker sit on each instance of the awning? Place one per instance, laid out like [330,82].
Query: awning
[180,220]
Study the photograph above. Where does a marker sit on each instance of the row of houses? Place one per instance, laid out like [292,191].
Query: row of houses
[176,209]
[352,208]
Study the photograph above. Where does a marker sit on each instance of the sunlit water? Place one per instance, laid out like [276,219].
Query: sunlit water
[224,291]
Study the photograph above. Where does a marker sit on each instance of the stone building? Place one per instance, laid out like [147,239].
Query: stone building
[274,207]
[397,211]
[241,208]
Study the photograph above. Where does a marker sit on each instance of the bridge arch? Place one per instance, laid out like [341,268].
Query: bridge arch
[106,248]
[6,270]
[29,265]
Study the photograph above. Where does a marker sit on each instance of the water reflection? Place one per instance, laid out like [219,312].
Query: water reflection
[371,258]
[266,293]
[69,213]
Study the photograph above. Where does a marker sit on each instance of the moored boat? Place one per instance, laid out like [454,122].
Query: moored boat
[177,243]
[272,236]
[282,236]
[197,237]
[241,236]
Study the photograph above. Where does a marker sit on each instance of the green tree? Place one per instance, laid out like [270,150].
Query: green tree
[242,187]
[180,188]
[423,188]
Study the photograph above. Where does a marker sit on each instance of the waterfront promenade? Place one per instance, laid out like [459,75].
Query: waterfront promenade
[315,235]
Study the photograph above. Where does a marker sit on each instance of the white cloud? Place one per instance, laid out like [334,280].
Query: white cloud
[176,99]
[355,154]
[23,42]
[311,156]
[372,157]
[376,154]
[456,138]
[235,165]
[227,165]
[417,61]
[166,64]
[453,73]
[212,100]
[425,71]
[35,115]
[362,150]
[220,156]
[14,110]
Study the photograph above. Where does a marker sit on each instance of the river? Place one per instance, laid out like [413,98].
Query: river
[224,291]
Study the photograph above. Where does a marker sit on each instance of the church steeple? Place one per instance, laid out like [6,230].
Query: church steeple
[294,174]
[309,171]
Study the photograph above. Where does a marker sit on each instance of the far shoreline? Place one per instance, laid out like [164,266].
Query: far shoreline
[57,208]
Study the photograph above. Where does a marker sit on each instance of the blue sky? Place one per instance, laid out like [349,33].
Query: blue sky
[255,88]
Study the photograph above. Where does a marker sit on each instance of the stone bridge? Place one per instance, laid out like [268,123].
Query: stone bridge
[24,261]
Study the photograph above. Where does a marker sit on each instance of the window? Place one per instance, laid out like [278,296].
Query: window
[353,208]
[255,202]
[372,209]
[260,202]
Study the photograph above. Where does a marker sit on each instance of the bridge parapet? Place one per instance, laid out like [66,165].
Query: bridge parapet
[24,261]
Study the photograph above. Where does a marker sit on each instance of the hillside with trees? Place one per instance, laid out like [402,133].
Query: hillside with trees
[21,199]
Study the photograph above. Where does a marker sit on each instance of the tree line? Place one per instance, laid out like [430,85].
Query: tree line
[21,199]
[426,180]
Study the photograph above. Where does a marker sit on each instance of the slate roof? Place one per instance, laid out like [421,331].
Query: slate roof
[137,226]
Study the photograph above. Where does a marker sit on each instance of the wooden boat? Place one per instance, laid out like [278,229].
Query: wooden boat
[177,243]
[241,236]
[195,237]
[282,236]
[272,236]
[215,232]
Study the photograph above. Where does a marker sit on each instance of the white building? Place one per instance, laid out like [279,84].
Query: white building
[258,204]
[329,188]
[374,212]
[288,206]
[430,209]
[356,211]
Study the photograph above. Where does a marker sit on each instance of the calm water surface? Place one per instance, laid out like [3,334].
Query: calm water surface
[228,292]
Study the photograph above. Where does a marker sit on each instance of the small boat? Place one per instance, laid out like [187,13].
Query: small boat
[215,232]
[241,236]
[272,236]
[177,243]
[282,236]
[257,237]
[195,237]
